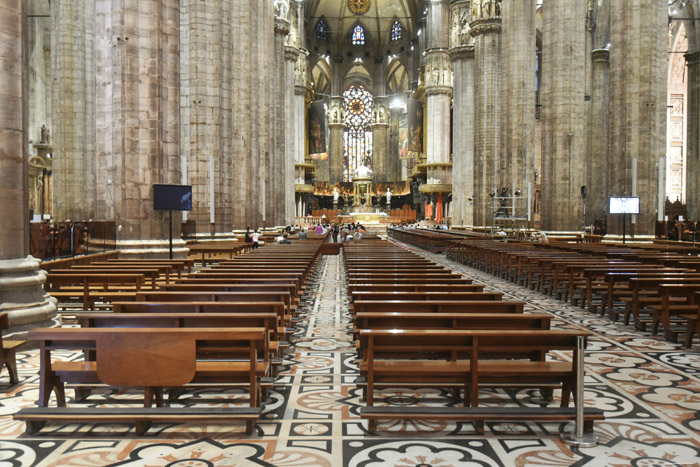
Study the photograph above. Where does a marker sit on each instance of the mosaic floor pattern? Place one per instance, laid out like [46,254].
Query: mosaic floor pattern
[649,388]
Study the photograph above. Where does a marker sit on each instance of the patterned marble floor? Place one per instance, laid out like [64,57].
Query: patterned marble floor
[649,388]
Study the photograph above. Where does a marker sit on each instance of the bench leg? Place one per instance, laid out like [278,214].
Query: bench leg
[11,364]
[34,426]
[479,426]
[655,322]
[547,394]
[142,427]
[567,390]
[82,393]
[249,427]
[372,426]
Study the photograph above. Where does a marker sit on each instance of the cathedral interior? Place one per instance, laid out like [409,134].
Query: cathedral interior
[578,118]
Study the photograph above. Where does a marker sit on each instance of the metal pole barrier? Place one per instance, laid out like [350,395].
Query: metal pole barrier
[577,437]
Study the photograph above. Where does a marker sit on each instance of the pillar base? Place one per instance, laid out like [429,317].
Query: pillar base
[22,296]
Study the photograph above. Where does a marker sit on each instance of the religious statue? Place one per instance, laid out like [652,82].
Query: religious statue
[336,195]
[45,135]
[281,8]
[388,196]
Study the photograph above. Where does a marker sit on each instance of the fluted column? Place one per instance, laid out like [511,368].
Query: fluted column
[21,292]
[518,51]
[597,173]
[336,126]
[438,89]
[253,57]
[291,56]
[638,96]
[73,107]
[206,85]
[380,139]
[693,151]
[563,81]
[485,23]
[462,56]
[278,165]
[138,118]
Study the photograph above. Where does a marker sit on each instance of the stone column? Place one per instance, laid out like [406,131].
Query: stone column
[485,24]
[300,88]
[597,174]
[462,56]
[253,64]
[380,140]
[693,150]
[206,82]
[563,80]
[138,119]
[21,292]
[336,126]
[638,96]
[518,51]
[278,166]
[291,56]
[438,89]
[73,106]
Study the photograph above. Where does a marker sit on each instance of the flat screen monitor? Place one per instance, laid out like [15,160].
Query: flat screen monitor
[172,197]
[624,205]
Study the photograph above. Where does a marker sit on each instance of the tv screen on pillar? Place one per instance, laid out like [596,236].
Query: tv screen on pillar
[624,205]
[172,197]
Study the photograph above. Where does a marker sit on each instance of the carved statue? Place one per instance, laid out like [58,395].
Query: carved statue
[45,135]
[388,195]
[336,195]
[281,8]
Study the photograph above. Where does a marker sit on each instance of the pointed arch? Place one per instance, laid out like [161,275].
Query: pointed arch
[321,77]
[396,77]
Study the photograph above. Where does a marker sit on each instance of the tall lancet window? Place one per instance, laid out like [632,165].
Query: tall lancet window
[357,138]
[322,30]
[358,35]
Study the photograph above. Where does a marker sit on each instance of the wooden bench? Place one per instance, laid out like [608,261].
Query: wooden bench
[179,265]
[8,348]
[415,288]
[444,306]
[87,287]
[398,357]
[145,358]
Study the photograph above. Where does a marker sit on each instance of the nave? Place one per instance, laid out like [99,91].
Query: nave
[648,388]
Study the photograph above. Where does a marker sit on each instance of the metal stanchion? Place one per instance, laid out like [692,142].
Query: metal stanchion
[577,437]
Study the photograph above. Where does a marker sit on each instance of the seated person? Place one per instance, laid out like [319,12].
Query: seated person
[284,239]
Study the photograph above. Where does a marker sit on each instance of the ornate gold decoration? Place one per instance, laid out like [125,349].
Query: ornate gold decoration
[359,7]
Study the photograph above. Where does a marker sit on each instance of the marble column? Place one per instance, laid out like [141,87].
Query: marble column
[21,292]
[73,106]
[336,126]
[278,165]
[518,49]
[462,56]
[206,86]
[138,119]
[380,140]
[638,96]
[291,56]
[485,24]
[438,90]
[563,82]
[597,173]
[693,150]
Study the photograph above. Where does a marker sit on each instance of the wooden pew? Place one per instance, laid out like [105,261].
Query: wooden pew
[471,358]
[8,348]
[415,288]
[146,358]
[87,287]
[179,265]
[444,306]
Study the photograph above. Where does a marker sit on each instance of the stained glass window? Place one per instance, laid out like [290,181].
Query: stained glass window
[357,139]
[322,30]
[358,35]
[396,31]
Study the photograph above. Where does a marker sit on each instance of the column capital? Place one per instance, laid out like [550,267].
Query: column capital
[600,55]
[435,90]
[485,26]
[459,24]
[463,52]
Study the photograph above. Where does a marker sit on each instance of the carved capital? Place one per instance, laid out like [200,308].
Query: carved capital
[464,52]
[438,69]
[485,26]
[291,53]
[281,26]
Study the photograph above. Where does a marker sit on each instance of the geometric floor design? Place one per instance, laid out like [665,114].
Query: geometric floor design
[649,389]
